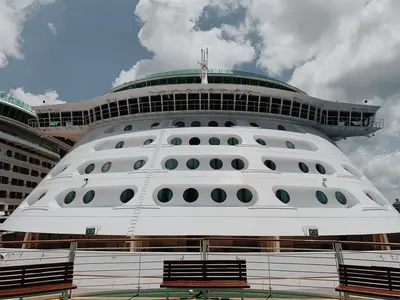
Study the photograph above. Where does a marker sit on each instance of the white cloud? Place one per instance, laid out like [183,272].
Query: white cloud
[49,97]
[52,28]
[169,32]
[13,14]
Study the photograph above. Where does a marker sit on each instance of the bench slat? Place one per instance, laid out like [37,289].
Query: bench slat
[37,290]
[368,291]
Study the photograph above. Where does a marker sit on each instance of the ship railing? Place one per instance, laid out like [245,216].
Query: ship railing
[274,266]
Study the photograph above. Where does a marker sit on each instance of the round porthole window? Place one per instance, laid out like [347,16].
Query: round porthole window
[280,127]
[261,142]
[283,196]
[214,141]
[218,195]
[213,124]
[303,167]
[171,164]
[270,164]
[341,198]
[254,124]
[194,141]
[164,195]
[233,141]
[176,141]
[88,197]
[148,142]
[237,164]
[216,163]
[180,124]
[9,153]
[320,168]
[195,124]
[155,125]
[119,145]
[244,195]
[89,169]
[192,163]
[41,196]
[229,124]
[290,145]
[321,197]
[190,195]
[127,195]
[128,128]
[106,167]
[69,197]
[139,164]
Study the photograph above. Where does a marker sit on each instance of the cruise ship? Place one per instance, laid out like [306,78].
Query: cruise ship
[201,153]
[26,157]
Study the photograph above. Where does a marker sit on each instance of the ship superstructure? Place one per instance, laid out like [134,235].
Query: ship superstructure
[227,153]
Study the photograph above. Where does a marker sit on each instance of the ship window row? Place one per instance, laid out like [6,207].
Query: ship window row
[194,141]
[270,164]
[13,113]
[208,102]
[107,166]
[214,163]
[211,80]
[17,169]
[25,158]
[17,182]
[125,196]
[285,198]
[11,195]
[191,195]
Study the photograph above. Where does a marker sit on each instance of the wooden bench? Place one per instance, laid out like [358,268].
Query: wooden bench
[39,279]
[371,281]
[205,274]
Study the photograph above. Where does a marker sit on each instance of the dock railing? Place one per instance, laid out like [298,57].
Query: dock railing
[138,269]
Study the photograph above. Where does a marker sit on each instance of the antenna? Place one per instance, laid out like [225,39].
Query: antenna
[204,66]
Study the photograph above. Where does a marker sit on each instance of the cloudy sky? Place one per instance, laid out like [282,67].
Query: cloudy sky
[62,50]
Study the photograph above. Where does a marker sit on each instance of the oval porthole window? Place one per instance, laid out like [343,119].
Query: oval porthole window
[270,164]
[41,196]
[321,197]
[218,195]
[229,124]
[261,142]
[154,125]
[254,124]
[320,168]
[106,167]
[69,197]
[214,141]
[369,196]
[89,169]
[341,198]
[127,195]
[280,127]
[180,124]
[194,141]
[119,145]
[164,195]
[195,124]
[290,145]
[237,164]
[176,141]
[233,141]
[128,128]
[192,163]
[303,167]
[213,124]
[216,163]
[244,195]
[88,197]
[148,142]
[171,164]
[139,164]
[190,195]
[283,196]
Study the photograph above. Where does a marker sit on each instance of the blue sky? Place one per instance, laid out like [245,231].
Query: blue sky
[95,40]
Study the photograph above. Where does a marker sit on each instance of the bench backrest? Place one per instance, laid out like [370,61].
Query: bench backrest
[386,278]
[38,274]
[204,270]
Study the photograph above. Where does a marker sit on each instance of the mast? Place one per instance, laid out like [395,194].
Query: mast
[204,66]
